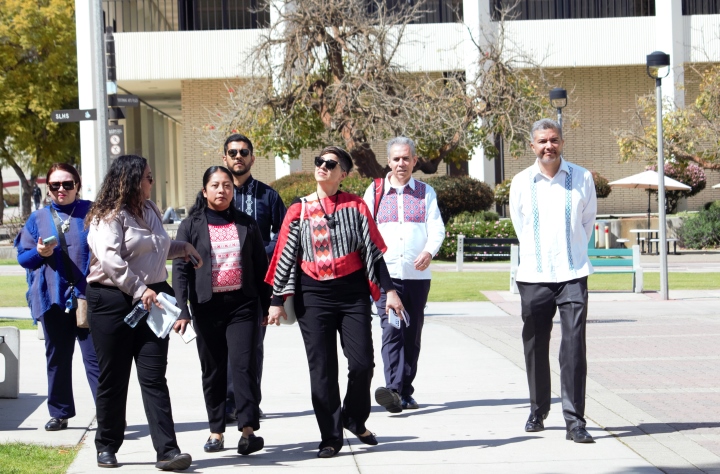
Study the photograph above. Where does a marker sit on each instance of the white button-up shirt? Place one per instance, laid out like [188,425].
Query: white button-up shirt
[410,223]
[553,219]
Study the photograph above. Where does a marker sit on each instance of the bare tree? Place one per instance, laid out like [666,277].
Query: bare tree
[329,72]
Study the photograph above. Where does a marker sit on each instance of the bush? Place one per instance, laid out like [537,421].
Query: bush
[466,217]
[687,173]
[701,230]
[461,193]
[483,230]
[12,199]
[602,188]
[502,193]
[301,184]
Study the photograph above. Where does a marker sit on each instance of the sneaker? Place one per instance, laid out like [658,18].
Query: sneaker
[388,399]
[409,403]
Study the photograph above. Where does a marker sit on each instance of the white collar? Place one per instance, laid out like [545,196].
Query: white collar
[388,185]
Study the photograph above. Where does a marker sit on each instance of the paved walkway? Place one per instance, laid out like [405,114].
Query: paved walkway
[653,393]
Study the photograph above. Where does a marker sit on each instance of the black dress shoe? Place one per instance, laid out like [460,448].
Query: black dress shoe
[178,462]
[388,399]
[106,459]
[368,439]
[535,423]
[409,403]
[56,424]
[250,445]
[579,435]
[327,452]
[214,445]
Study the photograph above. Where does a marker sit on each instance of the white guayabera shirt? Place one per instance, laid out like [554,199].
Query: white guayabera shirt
[553,219]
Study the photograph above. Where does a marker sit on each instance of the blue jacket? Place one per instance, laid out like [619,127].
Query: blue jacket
[47,277]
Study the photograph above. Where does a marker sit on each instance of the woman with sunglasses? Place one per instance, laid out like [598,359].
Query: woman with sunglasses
[130,248]
[53,248]
[329,255]
[224,297]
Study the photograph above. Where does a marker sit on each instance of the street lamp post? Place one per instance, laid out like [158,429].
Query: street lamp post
[558,99]
[658,66]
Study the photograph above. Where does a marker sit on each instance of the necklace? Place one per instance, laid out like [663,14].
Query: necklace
[331,218]
[65,226]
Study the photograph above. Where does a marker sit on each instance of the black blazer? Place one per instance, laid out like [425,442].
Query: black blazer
[196,285]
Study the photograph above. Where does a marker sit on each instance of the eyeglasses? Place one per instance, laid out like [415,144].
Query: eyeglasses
[329,164]
[244,152]
[66,185]
[150,179]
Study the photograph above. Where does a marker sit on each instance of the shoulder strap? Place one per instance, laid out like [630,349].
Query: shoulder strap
[63,244]
[379,191]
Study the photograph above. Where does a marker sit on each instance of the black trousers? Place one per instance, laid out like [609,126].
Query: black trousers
[117,345]
[401,347]
[226,328]
[539,303]
[319,327]
[259,357]
[61,331]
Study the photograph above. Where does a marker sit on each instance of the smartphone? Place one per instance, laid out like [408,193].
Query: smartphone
[193,260]
[393,319]
[49,240]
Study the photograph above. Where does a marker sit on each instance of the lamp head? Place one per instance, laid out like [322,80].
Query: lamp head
[558,97]
[658,64]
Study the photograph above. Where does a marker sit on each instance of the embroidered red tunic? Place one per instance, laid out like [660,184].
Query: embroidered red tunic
[225,254]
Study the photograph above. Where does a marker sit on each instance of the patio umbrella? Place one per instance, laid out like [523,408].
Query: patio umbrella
[649,180]
[717,186]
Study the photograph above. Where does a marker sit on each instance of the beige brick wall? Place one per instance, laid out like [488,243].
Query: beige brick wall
[601,97]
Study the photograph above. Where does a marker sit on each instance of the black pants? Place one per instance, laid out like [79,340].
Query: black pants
[117,345]
[61,331]
[401,347]
[319,327]
[259,357]
[539,303]
[226,328]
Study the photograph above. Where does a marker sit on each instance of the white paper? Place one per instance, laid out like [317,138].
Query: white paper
[162,320]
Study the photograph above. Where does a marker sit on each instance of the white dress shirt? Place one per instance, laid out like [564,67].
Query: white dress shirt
[553,219]
[407,231]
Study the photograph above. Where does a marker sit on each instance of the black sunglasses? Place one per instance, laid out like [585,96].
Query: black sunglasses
[329,164]
[67,185]
[245,152]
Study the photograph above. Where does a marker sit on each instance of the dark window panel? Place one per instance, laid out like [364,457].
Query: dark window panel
[572,9]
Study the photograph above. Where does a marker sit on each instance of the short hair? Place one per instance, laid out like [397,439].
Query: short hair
[236,137]
[545,124]
[67,168]
[404,141]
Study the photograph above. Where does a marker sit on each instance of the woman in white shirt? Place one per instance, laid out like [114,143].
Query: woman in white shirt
[130,248]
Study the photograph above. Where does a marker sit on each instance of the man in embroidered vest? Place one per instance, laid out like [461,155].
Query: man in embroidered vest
[261,202]
[409,220]
[553,207]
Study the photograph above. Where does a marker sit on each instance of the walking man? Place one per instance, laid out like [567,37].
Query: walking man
[553,207]
[261,202]
[409,220]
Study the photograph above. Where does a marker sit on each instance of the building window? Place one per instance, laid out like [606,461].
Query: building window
[700,7]
[571,9]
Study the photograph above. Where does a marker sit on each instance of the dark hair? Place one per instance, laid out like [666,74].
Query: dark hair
[343,157]
[120,188]
[201,201]
[236,137]
[67,168]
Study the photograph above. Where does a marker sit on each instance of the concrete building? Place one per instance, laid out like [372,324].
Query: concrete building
[181,57]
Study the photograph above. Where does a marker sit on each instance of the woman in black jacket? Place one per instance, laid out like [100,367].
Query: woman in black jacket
[224,298]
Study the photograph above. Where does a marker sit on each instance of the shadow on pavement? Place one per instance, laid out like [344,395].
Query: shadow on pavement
[14,411]
[458,405]
[659,428]
[401,443]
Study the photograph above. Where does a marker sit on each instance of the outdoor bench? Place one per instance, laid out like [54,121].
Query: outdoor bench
[602,260]
[657,245]
[477,247]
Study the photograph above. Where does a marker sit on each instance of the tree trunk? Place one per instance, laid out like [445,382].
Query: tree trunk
[2,197]
[27,185]
[366,162]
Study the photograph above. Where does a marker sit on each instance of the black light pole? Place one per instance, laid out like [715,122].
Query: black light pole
[658,66]
[558,99]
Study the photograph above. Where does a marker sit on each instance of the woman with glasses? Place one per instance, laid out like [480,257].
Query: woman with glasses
[224,297]
[53,248]
[130,248]
[330,257]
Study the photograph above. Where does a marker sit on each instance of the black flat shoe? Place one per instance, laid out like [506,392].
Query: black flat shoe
[579,435]
[179,462]
[388,399]
[106,459]
[56,424]
[327,452]
[250,445]
[535,423]
[368,439]
[214,445]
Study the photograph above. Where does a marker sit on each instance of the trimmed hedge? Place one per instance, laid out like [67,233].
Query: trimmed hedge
[701,230]
[301,184]
[483,230]
[461,193]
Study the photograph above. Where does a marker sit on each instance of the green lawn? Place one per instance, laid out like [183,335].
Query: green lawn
[8,261]
[18,323]
[16,458]
[12,291]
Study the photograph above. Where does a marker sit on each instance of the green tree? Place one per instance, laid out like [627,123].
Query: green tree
[329,72]
[38,74]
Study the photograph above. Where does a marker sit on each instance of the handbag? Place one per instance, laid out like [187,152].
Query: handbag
[79,304]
